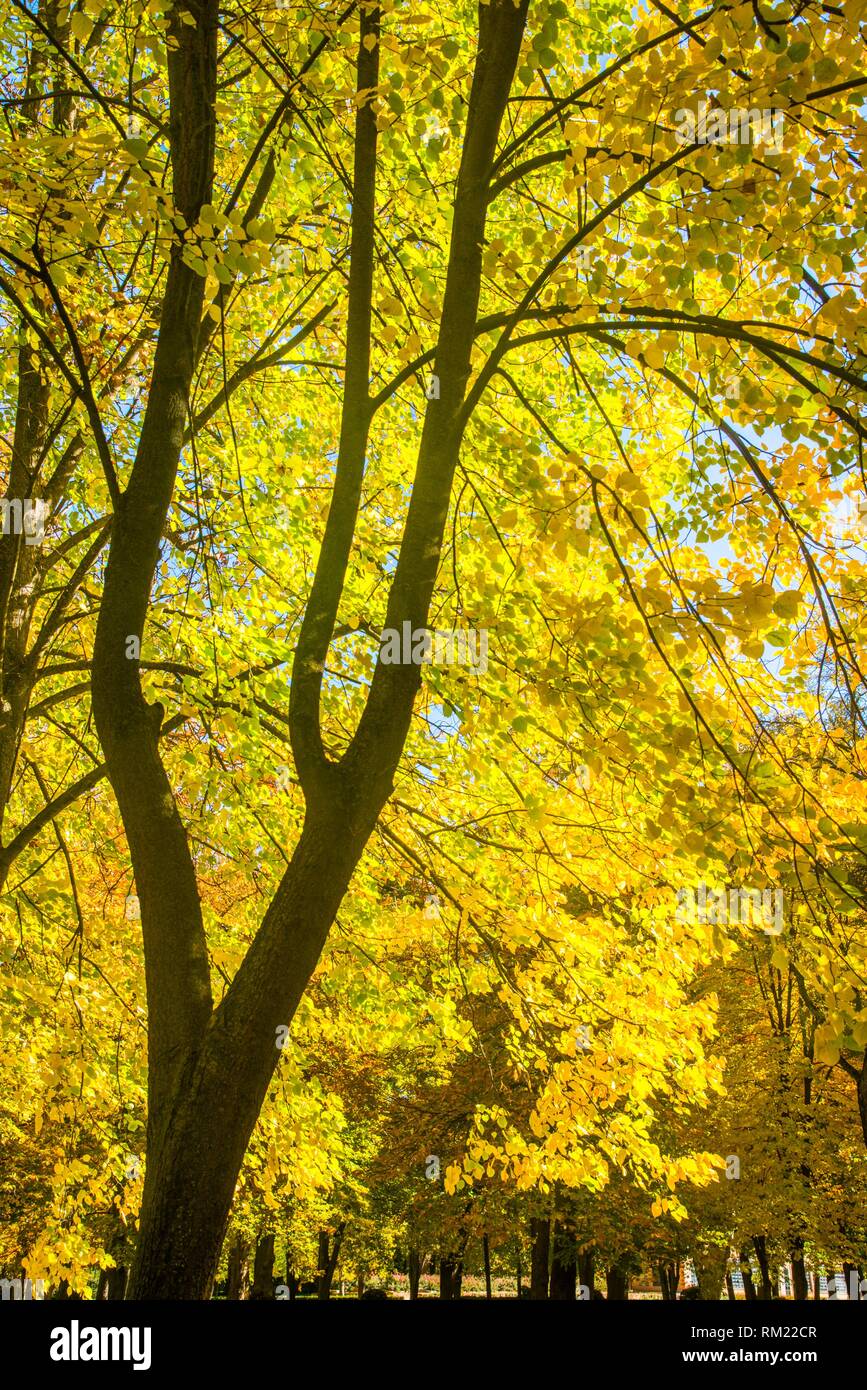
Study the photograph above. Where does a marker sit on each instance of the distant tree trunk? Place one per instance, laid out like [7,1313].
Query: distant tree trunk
[263,1268]
[710,1270]
[329,1250]
[63,1291]
[617,1282]
[669,1278]
[112,1282]
[540,1236]
[800,1289]
[766,1292]
[518,1265]
[414,1269]
[450,1277]
[587,1270]
[452,1266]
[862,1095]
[730,1288]
[817,1284]
[237,1280]
[747,1276]
[292,1280]
[486,1248]
[564,1263]
[359,1283]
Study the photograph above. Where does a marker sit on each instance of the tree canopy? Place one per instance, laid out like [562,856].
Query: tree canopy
[432,593]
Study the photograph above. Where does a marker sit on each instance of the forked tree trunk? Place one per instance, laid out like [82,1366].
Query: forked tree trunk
[193,1163]
[209,1068]
[329,1253]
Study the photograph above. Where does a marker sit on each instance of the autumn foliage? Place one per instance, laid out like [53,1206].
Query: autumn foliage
[323,319]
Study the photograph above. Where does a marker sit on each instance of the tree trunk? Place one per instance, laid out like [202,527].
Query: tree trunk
[452,1266]
[329,1251]
[237,1271]
[323,1282]
[862,1095]
[747,1276]
[587,1270]
[710,1268]
[34,435]
[817,1286]
[292,1280]
[540,1235]
[766,1292]
[117,1281]
[730,1288]
[617,1282]
[263,1268]
[518,1271]
[487,1255]
[414,1271]
[450,1277]
[800,1289]
[564,1263]
[669,1278]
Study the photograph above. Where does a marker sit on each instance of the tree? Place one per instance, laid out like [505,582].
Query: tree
[209,1068]
[559,393]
